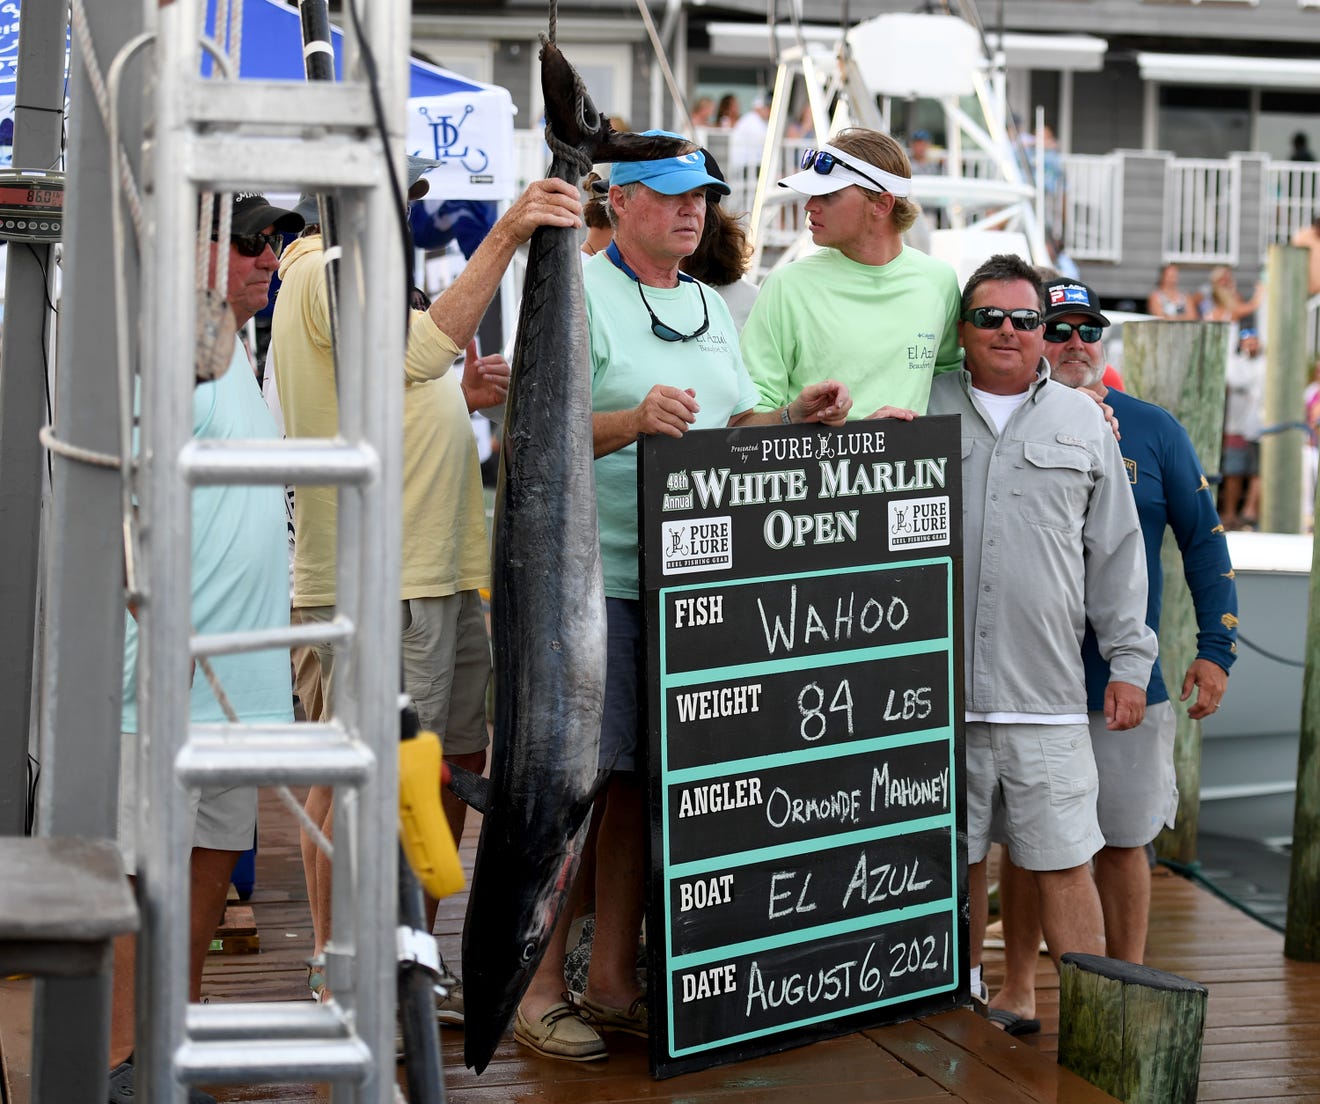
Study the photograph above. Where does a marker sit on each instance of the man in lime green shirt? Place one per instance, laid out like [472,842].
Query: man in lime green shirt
[866,310]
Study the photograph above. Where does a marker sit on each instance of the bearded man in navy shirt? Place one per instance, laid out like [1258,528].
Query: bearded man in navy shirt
[1138,786]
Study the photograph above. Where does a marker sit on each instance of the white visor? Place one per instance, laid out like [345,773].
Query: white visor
[846,171]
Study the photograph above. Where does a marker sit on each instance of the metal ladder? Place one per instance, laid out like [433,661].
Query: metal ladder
[228,135]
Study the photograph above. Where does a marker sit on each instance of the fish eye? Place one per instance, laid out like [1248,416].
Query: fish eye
[529,949]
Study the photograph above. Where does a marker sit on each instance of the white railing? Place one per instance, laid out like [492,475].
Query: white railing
[1202,206]
[1093,207]
[1202,200]
[1291,200]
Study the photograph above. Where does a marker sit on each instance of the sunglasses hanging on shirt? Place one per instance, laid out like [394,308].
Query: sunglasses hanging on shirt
[661,330]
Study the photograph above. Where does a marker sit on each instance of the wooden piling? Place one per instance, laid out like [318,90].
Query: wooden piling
[1133,1031]
[1302,935]
[1180,366]
[1287,372]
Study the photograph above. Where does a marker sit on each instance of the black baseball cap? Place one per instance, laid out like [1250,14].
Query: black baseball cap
[1066,296]
[252,212]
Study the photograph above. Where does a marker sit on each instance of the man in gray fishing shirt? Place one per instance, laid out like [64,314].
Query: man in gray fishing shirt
[1051,541]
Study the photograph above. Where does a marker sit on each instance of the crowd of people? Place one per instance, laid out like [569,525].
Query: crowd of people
[1220,300]
[1069,758]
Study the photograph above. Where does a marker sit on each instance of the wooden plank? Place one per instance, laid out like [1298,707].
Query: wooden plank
[1278,1088]
[849,1058]
[1262,1036]
[963,1074]
[237,933]
[1012,1058]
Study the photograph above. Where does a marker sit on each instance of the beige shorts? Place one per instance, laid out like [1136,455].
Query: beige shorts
[446,667]
[1038,780]
[222,820]
[1138,785]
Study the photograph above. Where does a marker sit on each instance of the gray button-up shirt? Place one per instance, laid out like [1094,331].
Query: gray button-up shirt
[1051,540]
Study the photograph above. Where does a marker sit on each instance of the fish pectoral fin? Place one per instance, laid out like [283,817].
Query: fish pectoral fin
[584,807]
[469,787]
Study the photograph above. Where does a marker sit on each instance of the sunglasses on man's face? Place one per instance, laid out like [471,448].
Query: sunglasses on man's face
[254,245]
[992,318]
[1059,332]
[824,164]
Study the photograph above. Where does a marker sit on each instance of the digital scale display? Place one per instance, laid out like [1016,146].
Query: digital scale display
[32,198]
[31,206]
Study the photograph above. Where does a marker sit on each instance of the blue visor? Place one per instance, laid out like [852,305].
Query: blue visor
[669,175]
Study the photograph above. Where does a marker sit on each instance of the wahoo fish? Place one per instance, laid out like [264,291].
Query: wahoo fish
[548,602]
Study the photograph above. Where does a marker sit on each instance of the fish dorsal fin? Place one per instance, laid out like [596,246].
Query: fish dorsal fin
[470,787]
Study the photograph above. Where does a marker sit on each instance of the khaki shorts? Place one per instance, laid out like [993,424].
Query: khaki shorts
[446,667]
[222,820]
[1041,780]
[1138,785]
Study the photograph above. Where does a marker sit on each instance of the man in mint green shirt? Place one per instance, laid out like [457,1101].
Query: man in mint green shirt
[867,310]
[664,360]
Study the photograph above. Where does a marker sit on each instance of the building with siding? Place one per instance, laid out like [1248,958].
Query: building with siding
[1183,108]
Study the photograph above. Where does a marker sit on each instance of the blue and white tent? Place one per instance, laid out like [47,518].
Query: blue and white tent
[465,125]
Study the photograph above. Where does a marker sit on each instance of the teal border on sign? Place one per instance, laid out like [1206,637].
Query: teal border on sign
[842,927]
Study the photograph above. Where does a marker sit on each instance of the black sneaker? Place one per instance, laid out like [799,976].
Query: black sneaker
[123,1086]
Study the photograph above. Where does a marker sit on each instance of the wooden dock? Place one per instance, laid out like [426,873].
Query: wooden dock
[1262,1040]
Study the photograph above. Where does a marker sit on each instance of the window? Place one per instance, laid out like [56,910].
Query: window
[471,59]
[606,70]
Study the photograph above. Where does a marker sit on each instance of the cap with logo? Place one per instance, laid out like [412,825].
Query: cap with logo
[252,212]
[1072,297]
[669,175]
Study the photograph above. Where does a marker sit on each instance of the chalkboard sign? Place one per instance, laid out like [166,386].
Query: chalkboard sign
[807,854]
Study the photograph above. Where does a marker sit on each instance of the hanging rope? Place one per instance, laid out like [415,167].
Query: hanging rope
[285,795]
[578,161]
[554,19]
[87,51]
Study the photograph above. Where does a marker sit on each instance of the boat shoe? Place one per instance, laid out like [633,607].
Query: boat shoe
[560,1033]
[635,1019]
[449,1006]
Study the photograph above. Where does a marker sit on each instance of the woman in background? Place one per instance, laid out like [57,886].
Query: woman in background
[1167,300]
[724,254]
[595,210]
[1224,303]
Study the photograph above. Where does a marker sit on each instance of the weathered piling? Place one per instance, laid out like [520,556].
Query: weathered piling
[1180,366]
[1302,935]
[1133,1031]
[1287,371]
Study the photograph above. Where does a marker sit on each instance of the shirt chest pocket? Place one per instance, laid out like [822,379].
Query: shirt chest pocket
[1055,485]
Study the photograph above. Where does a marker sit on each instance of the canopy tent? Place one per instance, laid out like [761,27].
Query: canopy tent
[465,125]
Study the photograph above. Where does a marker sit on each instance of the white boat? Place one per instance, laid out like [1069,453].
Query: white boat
[1249,747]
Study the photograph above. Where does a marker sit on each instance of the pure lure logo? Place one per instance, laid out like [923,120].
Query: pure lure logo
[447,141]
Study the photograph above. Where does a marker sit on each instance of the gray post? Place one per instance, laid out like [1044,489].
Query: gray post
[1287,370]
[84,640]
[24,371]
